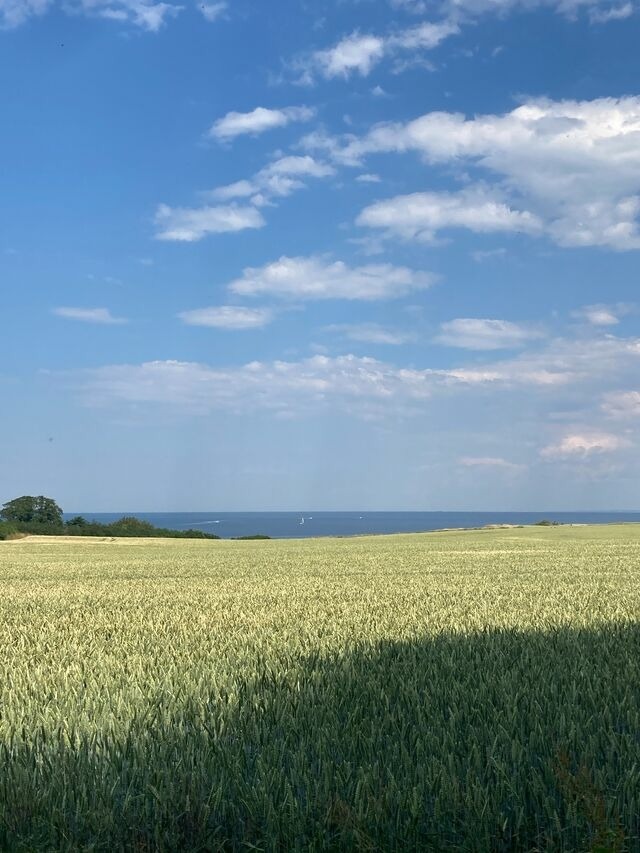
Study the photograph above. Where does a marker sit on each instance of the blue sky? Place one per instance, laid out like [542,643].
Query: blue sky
[376,254]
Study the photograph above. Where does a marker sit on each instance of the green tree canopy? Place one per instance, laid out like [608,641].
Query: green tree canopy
[32,510]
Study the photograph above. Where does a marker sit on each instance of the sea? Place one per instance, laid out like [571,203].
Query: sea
[309,524]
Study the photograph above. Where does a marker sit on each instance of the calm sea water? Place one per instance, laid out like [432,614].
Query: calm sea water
[290,525]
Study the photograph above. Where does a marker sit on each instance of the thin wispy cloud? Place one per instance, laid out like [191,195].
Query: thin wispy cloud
[257,121]
[147,16]
[490,462]
[485,334]
[187,225]
[101,316]
[615,12]
[371,333]
[601,314]
[598,11]
[358,53]
[277,179]
[232,317]
[212,11]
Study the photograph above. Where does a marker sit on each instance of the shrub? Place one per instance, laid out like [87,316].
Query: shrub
[8,531]
[254,536]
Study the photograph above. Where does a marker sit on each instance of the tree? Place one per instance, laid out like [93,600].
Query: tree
[32,510]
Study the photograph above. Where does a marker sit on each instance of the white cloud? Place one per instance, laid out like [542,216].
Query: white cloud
[277,179]
[488,462]
[622,404]
[599,11]
[613,13]
[191,224]
[371,333]
[359,53]
[228,317]
[368,178]
[212,11]
[425,36]
[602,315]
[146,15]
[420,216]
[152,16]
[584,444]
[318,278]
[257,121]
[355,53]
[89,315]
[572,363]
[570,169]
[482,334]
[567,374]
[270,385]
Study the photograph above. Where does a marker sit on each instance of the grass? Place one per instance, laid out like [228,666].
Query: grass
[461,691]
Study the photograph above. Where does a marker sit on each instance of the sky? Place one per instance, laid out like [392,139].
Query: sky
[320,254]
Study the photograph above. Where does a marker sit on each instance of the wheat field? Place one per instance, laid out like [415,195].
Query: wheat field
[457,691]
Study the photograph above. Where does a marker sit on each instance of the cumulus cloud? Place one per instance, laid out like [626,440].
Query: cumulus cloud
[146,15]
[420,216]
[570,169]
[102,316]
[318,278]
[479,334]
[190,224]
[584,444]
[228,317]
[257,121]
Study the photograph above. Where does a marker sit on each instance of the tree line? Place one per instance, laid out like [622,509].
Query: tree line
[42,515]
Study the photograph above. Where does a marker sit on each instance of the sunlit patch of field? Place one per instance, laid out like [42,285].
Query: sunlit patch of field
[474,691]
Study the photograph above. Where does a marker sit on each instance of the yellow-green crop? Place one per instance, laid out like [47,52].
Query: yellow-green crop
[464,691]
